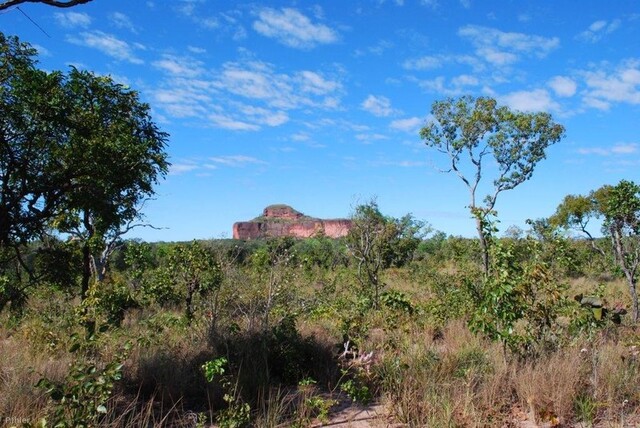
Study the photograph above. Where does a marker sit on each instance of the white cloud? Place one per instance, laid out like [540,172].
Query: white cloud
[401,164]
[236,160]
[606,86]
[121,20]
[563,86]
[465,80]
[109,45]
[370,138]
[227,122]
[181,168]
[264,116]
[427,62]
[240,96]
[625,149]
[73,19]
[377,106]
[434,4]
[531,101]
[300,136]
[430,62]
[455,86]
[258,81]
[316,84]
[292,28]
[616,149]
[503,48]
[196,50]
[409,125]
[179,66]
[598,29]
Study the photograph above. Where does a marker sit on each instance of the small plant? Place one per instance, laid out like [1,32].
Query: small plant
[237,414]
[358,392]
[81,399]
[585,408]
[312,405]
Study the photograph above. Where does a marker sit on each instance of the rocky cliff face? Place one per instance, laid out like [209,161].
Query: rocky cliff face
[282,220]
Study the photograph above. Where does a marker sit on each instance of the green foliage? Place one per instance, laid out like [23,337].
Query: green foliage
[189,271]
[519,302]
[377,242]
[81,399]
[238,413]
[358,392]
[619,206]
[469,129]
[80,155]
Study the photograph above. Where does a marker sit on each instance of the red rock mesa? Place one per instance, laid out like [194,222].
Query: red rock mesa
[282,220]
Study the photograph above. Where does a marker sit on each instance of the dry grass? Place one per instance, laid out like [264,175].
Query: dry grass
[548,387]
[21,367]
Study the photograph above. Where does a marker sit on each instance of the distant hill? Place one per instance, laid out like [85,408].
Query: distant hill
[282,220]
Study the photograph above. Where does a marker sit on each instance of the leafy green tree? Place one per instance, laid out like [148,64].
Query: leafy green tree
[33,180]
[190,270]
[619,208]
[118,155]
[79,156]
[377,242]
[472,132]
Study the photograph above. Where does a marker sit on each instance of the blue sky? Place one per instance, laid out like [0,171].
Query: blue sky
[318,104]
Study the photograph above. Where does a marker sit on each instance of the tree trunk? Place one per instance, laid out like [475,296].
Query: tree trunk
[484,246]
[86,256]
[634,298]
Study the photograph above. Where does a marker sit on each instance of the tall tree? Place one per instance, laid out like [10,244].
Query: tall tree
[377,242]
[117,153]
[473,131]
[619,207]
[79,154]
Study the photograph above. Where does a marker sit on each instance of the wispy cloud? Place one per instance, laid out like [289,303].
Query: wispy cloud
[241,96]
[73,19]
[108,44]
[120,20]
[231,123]
[409,125]
[454,86]
[236,160]
[259,81]
[431,62]
[616,149]
[598,30]
[178,168]
[531,101]
[606,86]
[370,138]
[292,28]
[377,106]
[503,48]
[179,66]
[563,86]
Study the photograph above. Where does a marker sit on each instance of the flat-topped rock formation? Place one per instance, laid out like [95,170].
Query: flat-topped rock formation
[282,220]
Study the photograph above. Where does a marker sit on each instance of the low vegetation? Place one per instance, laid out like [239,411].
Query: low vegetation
[96,330]
[276,332]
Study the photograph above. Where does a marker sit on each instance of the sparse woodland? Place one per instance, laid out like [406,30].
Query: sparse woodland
[536,325]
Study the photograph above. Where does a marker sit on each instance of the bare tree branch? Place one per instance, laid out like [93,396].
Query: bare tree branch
[54,3]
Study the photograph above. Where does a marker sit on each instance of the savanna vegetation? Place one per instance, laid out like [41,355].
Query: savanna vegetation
[99,330]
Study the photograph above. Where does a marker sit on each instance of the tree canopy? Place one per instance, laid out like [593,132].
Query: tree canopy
[619,207]
[473,131]
[79,154]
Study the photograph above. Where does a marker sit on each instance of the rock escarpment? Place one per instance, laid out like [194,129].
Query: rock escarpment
[282,220]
